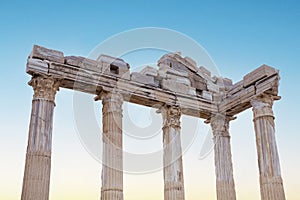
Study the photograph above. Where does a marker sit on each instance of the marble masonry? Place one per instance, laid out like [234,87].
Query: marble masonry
[176,87]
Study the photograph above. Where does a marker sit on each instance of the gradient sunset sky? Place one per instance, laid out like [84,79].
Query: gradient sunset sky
[238,35]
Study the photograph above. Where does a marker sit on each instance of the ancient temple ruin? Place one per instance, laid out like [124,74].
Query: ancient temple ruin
[177,87]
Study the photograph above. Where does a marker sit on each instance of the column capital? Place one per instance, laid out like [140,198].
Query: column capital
[109,96]
[220,124]
[44,87]
[171,116]
[262,105]
[112,102]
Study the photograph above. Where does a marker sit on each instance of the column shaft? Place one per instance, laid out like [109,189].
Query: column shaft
[271,186]
[223,160]
[112,168]
[38,157]
[172,156]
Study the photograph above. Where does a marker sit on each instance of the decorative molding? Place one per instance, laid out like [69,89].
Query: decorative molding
[112,102]
[220,125]
[171,116]
[44,87]
[111,96]
[262,106]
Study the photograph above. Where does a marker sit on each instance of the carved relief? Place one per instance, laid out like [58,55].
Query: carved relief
[220,125]
[44,87]
[262,106]
[171,116]
[112,102]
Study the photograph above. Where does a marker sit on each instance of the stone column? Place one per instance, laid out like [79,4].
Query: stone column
[172,156]
[223,161]
[112,167]
[38,157]
[271,186]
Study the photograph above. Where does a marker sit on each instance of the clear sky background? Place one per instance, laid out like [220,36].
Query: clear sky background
[239,36]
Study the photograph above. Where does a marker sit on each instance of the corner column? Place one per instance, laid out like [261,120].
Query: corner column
[223,160]
[38,156]
[112,167]
[271,186]
[172,156]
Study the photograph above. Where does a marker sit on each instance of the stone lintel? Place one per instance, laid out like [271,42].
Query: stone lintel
[91,79]
[259,73]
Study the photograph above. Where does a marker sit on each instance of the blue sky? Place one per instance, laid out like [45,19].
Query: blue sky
[238,35]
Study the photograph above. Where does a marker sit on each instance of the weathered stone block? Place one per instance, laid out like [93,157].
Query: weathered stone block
[204,71]
[227,82]
[179,79]
[125,75]
[206,76]
[258,74]
[149,71]
[165,69]
[224,82]
[212,87]
[177,87]
[113,61]
[47,54]
[82,62]
[178,66]
[174,61]
[217,97]
[207,95]
[177,62]
[198,85]
[114,66]
[36,65]
[191,63]
[197,82]
[140,78]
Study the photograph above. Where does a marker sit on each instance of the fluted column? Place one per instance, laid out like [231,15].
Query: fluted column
[112,167]
[271,186]
[172,156]
[38,157]
[223,160]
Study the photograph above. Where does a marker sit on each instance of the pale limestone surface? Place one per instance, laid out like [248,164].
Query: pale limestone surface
[177,87]
[271,186]
[149,71]
[140,78]
[173,170]
[36,179]
[112,163]
[223,159]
